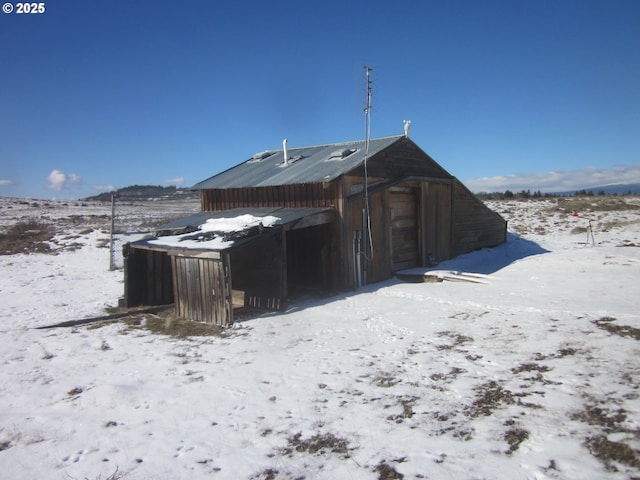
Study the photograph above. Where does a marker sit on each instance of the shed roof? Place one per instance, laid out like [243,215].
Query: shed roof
[321,163]
[198,232]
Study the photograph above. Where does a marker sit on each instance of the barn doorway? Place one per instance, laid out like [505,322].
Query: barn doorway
[403,203]
[309,260]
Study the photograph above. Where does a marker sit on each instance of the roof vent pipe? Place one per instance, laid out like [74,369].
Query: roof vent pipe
[407,126]
[286,155]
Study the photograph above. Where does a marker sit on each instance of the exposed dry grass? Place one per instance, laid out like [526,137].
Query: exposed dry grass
[490,396]
[606,323]
[31,236]
[610,452]
[168,324]
[514,438]
[609,421]
[317,445]
[593,204]
[158,320]
[387,472]
[601,417]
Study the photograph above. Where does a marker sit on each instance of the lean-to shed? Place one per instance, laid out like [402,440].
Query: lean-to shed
[345,215]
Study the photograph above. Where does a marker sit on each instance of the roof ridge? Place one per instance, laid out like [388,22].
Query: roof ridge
[336,144]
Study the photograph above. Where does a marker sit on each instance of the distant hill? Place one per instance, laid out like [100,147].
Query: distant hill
[146,192]
[620,189]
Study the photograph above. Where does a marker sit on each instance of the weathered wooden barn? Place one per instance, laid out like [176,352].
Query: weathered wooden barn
[340,216]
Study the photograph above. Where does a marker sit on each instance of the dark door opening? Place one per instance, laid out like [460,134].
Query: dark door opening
[309,260]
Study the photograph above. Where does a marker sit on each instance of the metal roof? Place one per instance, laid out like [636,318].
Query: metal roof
[173,233]
[286,216]
[321,163]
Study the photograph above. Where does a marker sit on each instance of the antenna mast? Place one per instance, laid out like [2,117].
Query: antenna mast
[367,212]
[367,109]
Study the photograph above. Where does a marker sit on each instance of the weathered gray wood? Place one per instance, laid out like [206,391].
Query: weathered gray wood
[403,203]
[202,290]
[418,213]
[314,220]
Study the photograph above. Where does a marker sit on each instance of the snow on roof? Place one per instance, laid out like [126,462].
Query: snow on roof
[222,229]
[237,224]
[217,233]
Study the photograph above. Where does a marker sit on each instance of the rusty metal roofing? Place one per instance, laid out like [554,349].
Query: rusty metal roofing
[175,236]
[286,216]
[321,163]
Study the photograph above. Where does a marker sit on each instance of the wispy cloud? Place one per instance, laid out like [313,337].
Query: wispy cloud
[59,180]
[557,180]
[175,181]
[6,183]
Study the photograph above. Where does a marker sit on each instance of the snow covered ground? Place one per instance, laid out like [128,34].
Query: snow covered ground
[534,374]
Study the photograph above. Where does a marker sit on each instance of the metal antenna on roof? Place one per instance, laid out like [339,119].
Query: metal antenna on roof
[367,114]
[367,111]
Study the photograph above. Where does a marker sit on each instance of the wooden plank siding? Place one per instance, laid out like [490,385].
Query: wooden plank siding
[395,220]
[293,196]
[381,257]
[418,215]
[403,208]
[350,227]
[475,226]
[202,288]
[405,159]
[310,195]
[418,222]
[436,222]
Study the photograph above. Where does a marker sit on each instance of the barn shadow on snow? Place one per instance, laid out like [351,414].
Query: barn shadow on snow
[485,261]
[490,260]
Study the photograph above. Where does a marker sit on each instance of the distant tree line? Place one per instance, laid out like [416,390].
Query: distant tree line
[527,194]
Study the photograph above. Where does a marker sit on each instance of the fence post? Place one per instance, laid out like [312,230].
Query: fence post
[113,217]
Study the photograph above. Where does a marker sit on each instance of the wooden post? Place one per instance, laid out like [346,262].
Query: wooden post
[226,265]
[283,270]
[113,211]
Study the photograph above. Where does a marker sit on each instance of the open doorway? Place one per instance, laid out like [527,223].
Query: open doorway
[309,260]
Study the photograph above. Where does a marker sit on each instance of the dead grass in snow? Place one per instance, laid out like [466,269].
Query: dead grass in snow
[168,324]
[611,453]
[607,324]
[31,236]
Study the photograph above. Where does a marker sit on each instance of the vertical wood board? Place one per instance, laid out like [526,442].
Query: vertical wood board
[203,289]
[403,204]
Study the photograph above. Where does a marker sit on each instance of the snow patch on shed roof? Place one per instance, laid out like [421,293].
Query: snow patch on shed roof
[217,233]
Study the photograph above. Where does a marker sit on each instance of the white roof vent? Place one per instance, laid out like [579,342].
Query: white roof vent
[262,155]
[342,153]
[258,157]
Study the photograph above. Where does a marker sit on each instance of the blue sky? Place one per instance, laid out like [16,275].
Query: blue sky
[94,95]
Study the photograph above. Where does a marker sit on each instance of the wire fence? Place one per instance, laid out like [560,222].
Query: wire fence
[134,218]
